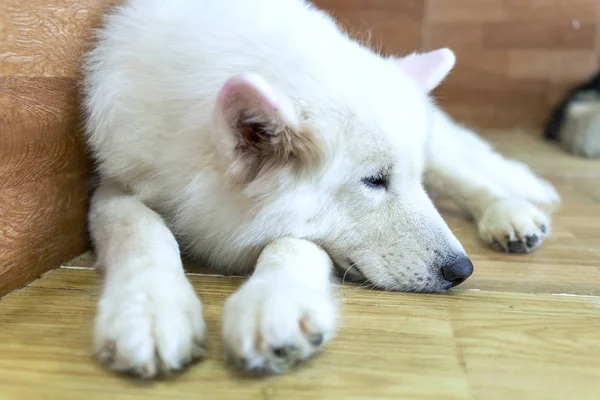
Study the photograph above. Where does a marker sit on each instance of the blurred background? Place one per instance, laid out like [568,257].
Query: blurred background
[515,58]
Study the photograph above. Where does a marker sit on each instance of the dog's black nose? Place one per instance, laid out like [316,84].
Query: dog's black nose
[457,271]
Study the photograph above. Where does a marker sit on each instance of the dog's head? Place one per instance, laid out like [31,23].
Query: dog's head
[342,165]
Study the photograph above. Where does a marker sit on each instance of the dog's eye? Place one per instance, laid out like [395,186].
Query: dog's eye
[376,181]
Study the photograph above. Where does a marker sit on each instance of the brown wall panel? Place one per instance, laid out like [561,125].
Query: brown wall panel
[515,58]
[390,25]
[42,177]
[43,166]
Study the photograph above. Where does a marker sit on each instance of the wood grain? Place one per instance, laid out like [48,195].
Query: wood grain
[42,178]
[518,55]
[43,165]
[45,38]
[467,345]
[41,135]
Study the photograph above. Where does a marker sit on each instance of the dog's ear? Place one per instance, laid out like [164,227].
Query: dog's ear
[428,69]
[262,128]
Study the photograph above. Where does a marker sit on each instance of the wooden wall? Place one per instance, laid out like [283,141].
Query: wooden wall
[515,57]
[43,165]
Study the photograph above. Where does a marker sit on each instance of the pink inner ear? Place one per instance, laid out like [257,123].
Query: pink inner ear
[428,69]
[251,95]
[252,90]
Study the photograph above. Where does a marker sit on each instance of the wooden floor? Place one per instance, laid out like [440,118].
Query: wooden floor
[523,327]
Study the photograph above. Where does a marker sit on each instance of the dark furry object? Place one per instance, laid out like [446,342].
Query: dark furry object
[557,117]
[575,122]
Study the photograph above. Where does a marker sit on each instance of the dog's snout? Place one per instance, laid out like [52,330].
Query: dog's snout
[457,271]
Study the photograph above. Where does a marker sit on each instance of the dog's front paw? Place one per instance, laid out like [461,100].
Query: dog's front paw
[150,324]
[514,226]
[269,327]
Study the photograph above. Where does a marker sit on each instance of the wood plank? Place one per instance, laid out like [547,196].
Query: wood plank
[45,38]
[43,165]
[43,169]
[40,132]
[520,76]
[466,345]
[42,225]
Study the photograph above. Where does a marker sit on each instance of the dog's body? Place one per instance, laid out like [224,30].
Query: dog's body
[263,138]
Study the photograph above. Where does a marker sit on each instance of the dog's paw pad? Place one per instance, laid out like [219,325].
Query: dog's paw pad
[523,245]
[513,226]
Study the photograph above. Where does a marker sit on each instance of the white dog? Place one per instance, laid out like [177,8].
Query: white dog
[263,138]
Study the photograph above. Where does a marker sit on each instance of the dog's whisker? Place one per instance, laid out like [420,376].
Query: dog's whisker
[346,273]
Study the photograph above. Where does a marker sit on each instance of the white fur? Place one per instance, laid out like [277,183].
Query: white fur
[247,130]
[149,318]
[497,192]
[287,307]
